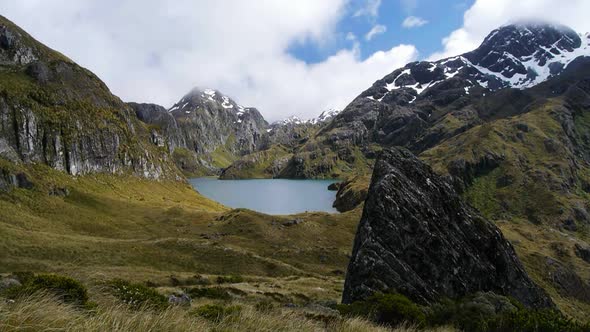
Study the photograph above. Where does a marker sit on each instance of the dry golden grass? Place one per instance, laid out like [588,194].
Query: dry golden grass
[43,313]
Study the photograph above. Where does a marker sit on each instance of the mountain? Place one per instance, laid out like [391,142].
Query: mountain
[211,120]
[283,138]
[423,103]
[205,130]
[513,56]
[326,116]
[56,113]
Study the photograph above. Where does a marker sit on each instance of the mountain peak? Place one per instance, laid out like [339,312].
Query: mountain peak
[525,39]
[518,55]
[199,97]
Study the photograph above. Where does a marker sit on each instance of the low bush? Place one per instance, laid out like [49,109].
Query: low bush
[138,295]
[23,276]
[217,313]
[65,288]
[200,280]
[485,312]
[390,309]
[229,279]
[217,293]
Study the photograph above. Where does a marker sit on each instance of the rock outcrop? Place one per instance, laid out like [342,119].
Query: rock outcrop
[351,193]
[417,237]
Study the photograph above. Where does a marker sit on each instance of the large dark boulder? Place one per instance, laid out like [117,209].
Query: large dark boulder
[417,237]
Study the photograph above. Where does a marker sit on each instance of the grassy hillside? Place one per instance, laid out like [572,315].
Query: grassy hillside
[110,221]
[164,234]
[527,173]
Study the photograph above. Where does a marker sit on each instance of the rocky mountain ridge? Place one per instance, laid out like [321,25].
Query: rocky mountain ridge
[513,56]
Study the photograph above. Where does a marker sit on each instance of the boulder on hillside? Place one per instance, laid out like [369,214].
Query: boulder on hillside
[417,237]
[351,193]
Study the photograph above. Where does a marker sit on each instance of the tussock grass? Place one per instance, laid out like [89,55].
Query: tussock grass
[41,312]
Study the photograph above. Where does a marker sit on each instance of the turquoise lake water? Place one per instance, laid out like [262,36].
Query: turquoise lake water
[271,196]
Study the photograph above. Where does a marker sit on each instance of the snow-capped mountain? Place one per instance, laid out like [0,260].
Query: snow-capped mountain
[517,55]
[200,98]
[294,120]
[326,115]
[209,119]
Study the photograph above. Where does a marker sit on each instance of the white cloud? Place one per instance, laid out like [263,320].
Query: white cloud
[370,9]
[350,36]
[156,51]
[486,15]
[413,22]
[409,5]
[376,30]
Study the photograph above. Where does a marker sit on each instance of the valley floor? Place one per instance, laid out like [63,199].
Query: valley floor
[164,234]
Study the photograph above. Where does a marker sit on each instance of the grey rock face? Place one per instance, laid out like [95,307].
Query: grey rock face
[180,299]
[566,281]
[8,282]
[13,51]
[417,237]
[583,252]
[209,120]
[168,132]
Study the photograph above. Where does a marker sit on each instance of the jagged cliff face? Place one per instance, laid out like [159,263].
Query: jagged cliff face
[417,237]
[165,131]
[55,112]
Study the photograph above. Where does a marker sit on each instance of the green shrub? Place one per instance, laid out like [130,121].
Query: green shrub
[473,313]
[229,279]
[66,289]
[485,312]
[138,295]
[216,313]
[217,293]
[390,309]
[200,280]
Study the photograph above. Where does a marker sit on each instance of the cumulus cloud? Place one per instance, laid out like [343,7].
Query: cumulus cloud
[370,9]
[486,15]
[156,51]
[413,22]
[375,30]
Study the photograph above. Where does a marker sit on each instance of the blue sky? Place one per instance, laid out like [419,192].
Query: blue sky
[442,16]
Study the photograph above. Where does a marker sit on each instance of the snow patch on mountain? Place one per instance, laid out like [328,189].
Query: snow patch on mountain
[323,117]
[517,56]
